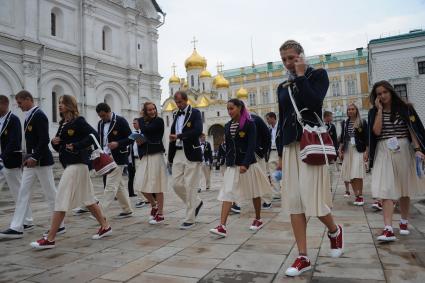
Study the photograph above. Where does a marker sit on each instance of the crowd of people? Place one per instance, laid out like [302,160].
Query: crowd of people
[253,152]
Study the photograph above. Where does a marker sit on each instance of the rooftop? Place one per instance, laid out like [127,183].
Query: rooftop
[359,53]
[411,34]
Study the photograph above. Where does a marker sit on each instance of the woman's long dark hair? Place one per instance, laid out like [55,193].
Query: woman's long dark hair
[398,105]
[245,116]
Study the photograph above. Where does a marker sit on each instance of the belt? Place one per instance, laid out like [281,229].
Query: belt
[179,147]
[274,149]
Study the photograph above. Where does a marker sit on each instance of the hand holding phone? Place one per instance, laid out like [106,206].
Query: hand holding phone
[378,103]
[300,65]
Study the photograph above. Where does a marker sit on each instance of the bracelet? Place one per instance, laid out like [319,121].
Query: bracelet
[417,149]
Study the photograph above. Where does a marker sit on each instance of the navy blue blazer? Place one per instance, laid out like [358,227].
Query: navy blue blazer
[361,136]
[240,150]
[154,132]
[221,155]
[264,138]
[76,132]
[119,131]
[192,130]
[11,141]
[208,153]
[36,129]
[309,92]
[409,116]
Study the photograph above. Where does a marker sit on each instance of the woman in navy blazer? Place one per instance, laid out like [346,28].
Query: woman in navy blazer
[75,187]
[151,174]
[243,178]
[307,187]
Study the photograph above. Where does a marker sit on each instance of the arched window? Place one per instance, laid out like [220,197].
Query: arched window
[192,81]
[265,97]
[56,22]
[351,87]
[107,39]
[203,86]
[172,91]
[335,88]
[57,92]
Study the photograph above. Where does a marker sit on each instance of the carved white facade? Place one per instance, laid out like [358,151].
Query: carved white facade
[96,50]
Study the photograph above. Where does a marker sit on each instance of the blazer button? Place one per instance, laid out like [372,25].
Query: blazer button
[293,124]
[293,114]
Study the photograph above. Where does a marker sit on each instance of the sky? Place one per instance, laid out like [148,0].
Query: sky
[225,29]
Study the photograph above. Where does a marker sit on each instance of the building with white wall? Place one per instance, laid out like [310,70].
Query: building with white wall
[95,50]
[401,61]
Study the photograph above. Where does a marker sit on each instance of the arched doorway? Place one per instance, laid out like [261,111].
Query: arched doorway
[217,132]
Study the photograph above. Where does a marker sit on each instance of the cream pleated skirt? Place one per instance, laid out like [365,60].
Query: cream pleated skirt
[353,166]
[75,188]
[151,174]
[394,173]
[305,188]
[239,187]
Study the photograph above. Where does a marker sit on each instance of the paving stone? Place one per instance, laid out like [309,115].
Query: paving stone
[10,272]
[259,262]
[229,276]
[148,277]
[186,266]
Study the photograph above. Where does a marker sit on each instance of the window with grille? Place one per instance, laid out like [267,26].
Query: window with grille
[401,90]
[421,67]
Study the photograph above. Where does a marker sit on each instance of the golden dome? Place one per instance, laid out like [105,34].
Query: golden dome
[242,93]
[174,79]
[195,61]
[205,74]
[220,82]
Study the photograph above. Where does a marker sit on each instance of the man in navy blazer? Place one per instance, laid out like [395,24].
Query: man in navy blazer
[185,155]
[37,164]
[113,132]
[273,157]
[11,152]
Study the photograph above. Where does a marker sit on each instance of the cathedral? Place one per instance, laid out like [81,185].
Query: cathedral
[95,50]
[206,92]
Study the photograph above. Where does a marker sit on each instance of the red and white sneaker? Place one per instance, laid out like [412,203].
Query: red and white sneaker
[154,212]
[359,201]
[386,236]
[220,230]
[257,224]
[377,205]
[102,233]
[403,229]
[301,264]
[337,243]
[159,218]
[42,244]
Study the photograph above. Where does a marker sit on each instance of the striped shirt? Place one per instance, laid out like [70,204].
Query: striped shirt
[350,128]
[233,128]
[397,129]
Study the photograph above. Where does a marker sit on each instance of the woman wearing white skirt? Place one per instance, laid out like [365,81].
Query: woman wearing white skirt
[75,187]
[306,187]
[243,178]
[151,173]
[353,152]
[397,139]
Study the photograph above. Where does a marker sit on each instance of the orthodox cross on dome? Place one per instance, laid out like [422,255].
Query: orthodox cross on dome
[194,41]
[220,67]
[174,68]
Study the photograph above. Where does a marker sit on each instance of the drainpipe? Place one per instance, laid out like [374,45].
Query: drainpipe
[83,94]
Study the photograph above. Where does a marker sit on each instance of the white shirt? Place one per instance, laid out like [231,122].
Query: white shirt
[179,126]
[2,121]
[136,147]
[29,112]
[105,137]
[274,130]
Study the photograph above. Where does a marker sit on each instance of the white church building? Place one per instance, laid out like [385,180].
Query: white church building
[96,50]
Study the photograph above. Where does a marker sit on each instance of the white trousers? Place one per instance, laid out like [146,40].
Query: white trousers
[13,179]
[206,170]
[186,175]
[44,174]
[116,187]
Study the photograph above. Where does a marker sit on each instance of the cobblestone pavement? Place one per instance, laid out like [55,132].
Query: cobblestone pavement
[139,252]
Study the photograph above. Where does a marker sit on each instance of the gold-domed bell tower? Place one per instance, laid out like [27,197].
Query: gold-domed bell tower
[205,79]
[194,66]
[174,82]
[242,94]
[220,84]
